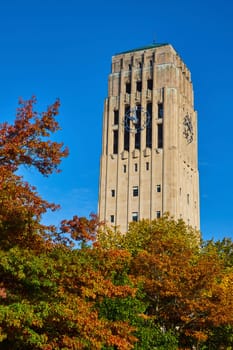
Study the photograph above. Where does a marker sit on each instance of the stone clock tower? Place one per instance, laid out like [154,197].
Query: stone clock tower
[149,145]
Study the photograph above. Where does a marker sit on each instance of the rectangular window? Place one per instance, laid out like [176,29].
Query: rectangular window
[115,141]
[149,126]
[113,193]
[160,110]
[147,165]
[124,168]
[139,86]
[128,88]
[112,219]
[136,167]
[158,188]
[116,117]
[135,191]
[149,84]
[135,216]
[158,214]
[126,132]
[126,140]
[137,139]
[160,136]
[187,198]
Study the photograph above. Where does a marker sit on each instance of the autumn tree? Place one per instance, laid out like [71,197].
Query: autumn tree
[185,285]
[51,299]
[116,265]
[27,142]
[224,249]
[49,292]
[221,336]
[156,287]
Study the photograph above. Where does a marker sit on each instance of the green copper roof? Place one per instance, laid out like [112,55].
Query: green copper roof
[142,48]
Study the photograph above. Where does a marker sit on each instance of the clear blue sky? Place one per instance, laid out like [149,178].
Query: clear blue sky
[63,48]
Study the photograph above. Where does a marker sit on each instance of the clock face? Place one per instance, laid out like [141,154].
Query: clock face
[136,119]
[188,128]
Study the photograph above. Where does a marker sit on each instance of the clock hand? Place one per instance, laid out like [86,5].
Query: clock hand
[134,119]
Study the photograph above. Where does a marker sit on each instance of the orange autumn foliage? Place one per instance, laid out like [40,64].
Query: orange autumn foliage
[154,287]
[26,143]
[186,286]
[48,291]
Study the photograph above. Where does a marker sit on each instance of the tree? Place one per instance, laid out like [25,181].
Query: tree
[221,337]
[49,292]
[51,298]
[82,229]
[224,249]
[187,287]
[115,265]
[156,287]
[27,143]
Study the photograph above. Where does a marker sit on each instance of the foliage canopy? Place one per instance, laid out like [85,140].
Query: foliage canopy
[156,287]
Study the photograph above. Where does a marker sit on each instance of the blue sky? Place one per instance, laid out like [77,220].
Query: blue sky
[63,48]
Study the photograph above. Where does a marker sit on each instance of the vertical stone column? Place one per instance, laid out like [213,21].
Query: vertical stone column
[170,151]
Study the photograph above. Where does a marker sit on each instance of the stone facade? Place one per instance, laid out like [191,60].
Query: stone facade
[149,144]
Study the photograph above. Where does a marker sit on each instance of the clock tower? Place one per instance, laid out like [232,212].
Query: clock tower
[149,144]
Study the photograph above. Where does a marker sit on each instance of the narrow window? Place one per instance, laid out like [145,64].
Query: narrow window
[149,84]
[115,141]
[137,140]
[160,110]
[158,188]
[147,165]
[116,117]
[124,168]
[113,193]
[126,140]
[135,167]
[112,219]
[187,198]
[135,191]
[139,86]
[158,214]
[180,191]
[135,216]
[128,88]
[126,132]
[149,125]
[160,135]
